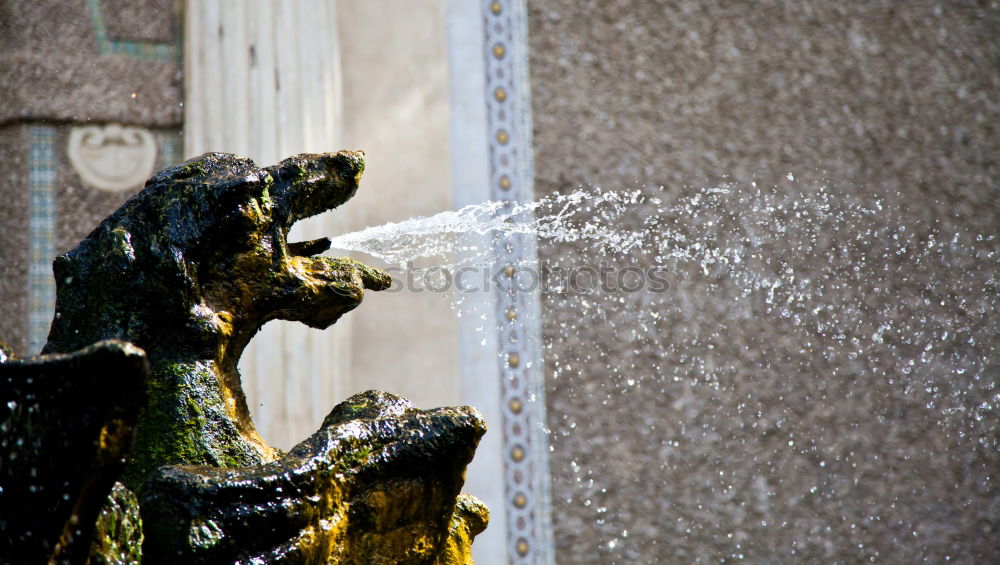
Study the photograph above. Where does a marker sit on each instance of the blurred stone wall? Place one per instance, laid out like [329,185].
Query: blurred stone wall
[67,64]
[711,424]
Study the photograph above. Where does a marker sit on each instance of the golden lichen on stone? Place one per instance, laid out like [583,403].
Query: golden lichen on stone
[470,518]
[377,484]
[189,269]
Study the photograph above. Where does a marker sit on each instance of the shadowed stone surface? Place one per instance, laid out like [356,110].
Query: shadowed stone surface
[66,425]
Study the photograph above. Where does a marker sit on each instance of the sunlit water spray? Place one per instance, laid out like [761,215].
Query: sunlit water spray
[793,254]
[761,239]
[782,302]
[558,218]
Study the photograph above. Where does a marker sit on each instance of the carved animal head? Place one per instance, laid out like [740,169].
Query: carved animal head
[199,259]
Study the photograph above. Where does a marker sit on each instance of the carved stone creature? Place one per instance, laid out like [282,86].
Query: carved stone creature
[189,270]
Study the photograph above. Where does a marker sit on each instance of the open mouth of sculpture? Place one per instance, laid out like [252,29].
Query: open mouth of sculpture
[279,279]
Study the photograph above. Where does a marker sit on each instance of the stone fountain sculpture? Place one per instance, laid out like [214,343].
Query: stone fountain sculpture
[188,271]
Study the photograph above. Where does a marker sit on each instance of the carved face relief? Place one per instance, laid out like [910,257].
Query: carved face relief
[112,158]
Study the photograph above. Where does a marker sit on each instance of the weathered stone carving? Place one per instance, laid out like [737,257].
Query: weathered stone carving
[390,475]
[190,269]
[113,158]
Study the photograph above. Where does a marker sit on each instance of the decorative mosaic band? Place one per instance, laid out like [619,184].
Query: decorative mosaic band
[41,234]
[526,470]
[170,145]
[165,52]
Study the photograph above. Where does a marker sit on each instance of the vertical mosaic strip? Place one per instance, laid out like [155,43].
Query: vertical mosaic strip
[170,146]
[164,52]
[526,470]
[41,234]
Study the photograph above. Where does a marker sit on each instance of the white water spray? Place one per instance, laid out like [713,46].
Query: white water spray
[794,317]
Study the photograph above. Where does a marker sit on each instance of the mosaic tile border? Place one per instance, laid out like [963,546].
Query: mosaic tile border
[42,174]
[149,51]
[41,289]
[169,146]
[522,375]
[43,169]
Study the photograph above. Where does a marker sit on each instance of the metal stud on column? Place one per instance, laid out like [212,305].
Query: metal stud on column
[518,312]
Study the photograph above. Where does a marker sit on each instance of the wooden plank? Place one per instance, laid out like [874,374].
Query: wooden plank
[263,366]
[253,80]
[290,138]
[269,131]
[269,87]
[307,49]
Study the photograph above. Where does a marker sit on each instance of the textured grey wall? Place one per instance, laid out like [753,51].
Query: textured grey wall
[76,63]
[852,418]
[93,60]
[14,236]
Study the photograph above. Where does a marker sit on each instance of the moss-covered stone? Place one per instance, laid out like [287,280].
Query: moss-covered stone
[190,269]
[117,536]
[377,484]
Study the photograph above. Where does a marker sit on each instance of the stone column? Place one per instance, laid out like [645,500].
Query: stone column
[263,81]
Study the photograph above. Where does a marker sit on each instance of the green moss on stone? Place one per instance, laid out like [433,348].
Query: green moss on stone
[118,534]
[189,269]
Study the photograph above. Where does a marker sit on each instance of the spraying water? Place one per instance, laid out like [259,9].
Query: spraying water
[555,218]
[822,342]
[758,237]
